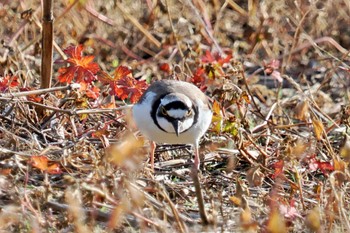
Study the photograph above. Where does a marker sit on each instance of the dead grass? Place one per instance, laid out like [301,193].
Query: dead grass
[280,163]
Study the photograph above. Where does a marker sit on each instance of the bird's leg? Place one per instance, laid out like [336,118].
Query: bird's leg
[196,157]
[153,149]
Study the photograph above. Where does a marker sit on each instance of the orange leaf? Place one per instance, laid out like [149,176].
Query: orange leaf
[217,119]
[298,149]
[246,97]
[93,92]
[318,128]
[81,67]
[42,163]
[108,105]
[104,77]
[340,165]
[124,154]
[237,201]
[302,110]
[216,108]
[5,171]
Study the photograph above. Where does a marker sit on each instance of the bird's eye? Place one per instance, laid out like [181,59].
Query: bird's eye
[163,111]
[189,112]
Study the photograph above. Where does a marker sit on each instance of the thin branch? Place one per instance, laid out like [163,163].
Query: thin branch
[41,91]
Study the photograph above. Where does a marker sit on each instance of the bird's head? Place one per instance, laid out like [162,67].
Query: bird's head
[175,113]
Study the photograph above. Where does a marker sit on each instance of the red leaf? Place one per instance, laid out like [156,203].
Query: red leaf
[34,98]
[215,58]
[198,78]
[130,86]
[90,90]
[315,164]
[208,57]
[93,92]
[81,67]
[165,67]
[278,166]
[121,72]
[42,163]
[8,82]
[123,84]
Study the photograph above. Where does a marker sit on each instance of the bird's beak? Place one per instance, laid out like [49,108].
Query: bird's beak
[176,125]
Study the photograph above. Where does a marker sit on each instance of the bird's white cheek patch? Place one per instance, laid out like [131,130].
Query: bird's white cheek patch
[166,125]
[186,124]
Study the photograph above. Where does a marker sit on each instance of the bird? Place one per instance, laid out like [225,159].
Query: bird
[173,112]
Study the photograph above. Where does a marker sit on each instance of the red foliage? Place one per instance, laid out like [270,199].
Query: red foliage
[121,71]
[33,97]
[124,85]
[278,166]
[91,91]
[198,77]
[7,82]
[325,167]
[81,67]
[130,86]
[215,58]
[165,67]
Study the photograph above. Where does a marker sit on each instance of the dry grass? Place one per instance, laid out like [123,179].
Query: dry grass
[106,184]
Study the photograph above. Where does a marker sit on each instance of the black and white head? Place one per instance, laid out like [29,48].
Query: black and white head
[175,113]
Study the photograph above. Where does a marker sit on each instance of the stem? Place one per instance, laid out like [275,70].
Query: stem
[47,44]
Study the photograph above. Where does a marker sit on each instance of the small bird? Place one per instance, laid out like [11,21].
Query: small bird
[173,112]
